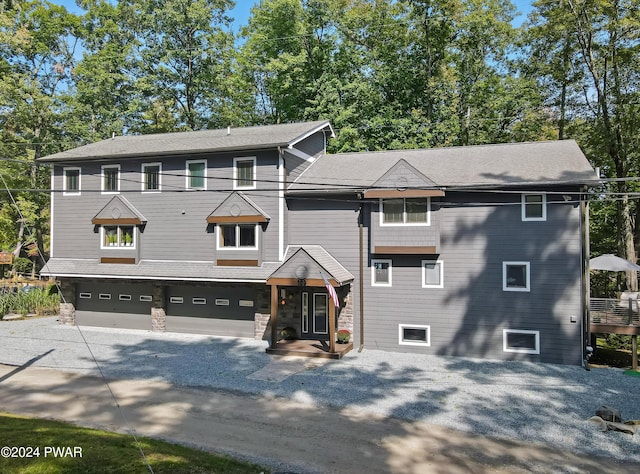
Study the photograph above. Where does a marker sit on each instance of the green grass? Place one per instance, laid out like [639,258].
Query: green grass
[610,356]
[103,452]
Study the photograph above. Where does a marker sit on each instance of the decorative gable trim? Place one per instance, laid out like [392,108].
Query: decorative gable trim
[310,264]
[403,180]
[119,211]
[409,193]
[237,208]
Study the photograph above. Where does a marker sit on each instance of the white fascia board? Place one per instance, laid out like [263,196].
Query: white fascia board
[311,132]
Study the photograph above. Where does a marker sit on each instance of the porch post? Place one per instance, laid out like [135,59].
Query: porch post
[332,326]
[274,316]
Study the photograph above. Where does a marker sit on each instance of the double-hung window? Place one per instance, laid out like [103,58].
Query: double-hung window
[241,236]
[534,207]
[196,174]
[118,236]
[151,177]
[71,183]
[405,211]
[111,179]
[432,274]
[244,173]
[380,272]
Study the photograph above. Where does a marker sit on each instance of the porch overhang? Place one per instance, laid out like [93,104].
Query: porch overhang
[309,266]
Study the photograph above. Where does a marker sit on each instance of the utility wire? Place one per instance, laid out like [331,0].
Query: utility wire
[84,339]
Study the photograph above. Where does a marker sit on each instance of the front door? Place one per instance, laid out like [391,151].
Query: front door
[315,316]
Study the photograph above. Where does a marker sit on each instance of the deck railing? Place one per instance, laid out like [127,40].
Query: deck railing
[615,311]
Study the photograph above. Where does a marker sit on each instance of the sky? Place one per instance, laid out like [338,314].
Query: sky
[241,11]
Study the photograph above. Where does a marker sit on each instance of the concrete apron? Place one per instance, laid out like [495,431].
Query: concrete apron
[281,368]
[279,433]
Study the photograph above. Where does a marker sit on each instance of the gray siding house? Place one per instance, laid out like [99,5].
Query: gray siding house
[467,251]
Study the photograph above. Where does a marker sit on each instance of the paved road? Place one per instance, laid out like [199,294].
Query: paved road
[282,434]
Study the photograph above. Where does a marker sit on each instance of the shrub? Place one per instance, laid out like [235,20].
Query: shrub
[289,333]
[37,301]
[343,335]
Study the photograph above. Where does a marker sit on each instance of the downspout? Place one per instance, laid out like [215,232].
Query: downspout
[361,275]
[586,283]
[281,188]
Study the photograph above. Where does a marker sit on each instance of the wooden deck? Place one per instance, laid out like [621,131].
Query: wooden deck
[615,328]
[310,348]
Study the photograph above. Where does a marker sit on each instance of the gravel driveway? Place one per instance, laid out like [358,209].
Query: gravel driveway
[513,400]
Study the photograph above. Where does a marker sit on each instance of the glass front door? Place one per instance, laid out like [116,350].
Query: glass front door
[315,316]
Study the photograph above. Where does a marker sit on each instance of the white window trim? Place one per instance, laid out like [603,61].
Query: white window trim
[401,340]
[237,247]
[524,207]
[235,172]
[188,176]
[117,247]
[144,181]
[102,183]
[373,271]
[504,277]
[64,181]
[506,348]
[404,215]
[424,273]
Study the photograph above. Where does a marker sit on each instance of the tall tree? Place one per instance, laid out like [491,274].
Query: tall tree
[181,56]
[602,43]
[40,41]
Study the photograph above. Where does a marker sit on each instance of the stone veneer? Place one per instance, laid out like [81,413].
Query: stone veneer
[158,310]
[68,289]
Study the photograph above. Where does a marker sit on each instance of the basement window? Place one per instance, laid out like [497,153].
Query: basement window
[521,341]
[414,335]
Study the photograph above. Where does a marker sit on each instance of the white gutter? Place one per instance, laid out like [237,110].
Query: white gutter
[281,186]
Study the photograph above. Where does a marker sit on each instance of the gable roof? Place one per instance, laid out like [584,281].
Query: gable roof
[118,211]
[237,208]
[244,138]
[312,262]
[511,164]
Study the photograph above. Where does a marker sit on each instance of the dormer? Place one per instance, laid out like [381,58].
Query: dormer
[402,222]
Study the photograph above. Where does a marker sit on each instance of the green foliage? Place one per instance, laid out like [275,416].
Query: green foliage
[22,265]
[401,74]
[38,301]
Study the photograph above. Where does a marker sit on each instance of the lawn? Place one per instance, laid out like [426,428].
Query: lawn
[57,447]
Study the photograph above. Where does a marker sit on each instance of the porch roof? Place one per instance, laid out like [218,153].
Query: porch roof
[311,262]
[172,270]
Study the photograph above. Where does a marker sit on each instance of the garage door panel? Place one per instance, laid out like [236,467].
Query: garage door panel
[113,320]
[210,326]
[114,298]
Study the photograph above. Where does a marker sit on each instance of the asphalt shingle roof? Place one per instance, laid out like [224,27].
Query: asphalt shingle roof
[158,270]
[485,165]
[244,138]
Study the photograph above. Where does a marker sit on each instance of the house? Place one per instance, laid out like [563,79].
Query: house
[467,251]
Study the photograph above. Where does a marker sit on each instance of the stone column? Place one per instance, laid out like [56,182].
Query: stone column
[158,309]
[68,288]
